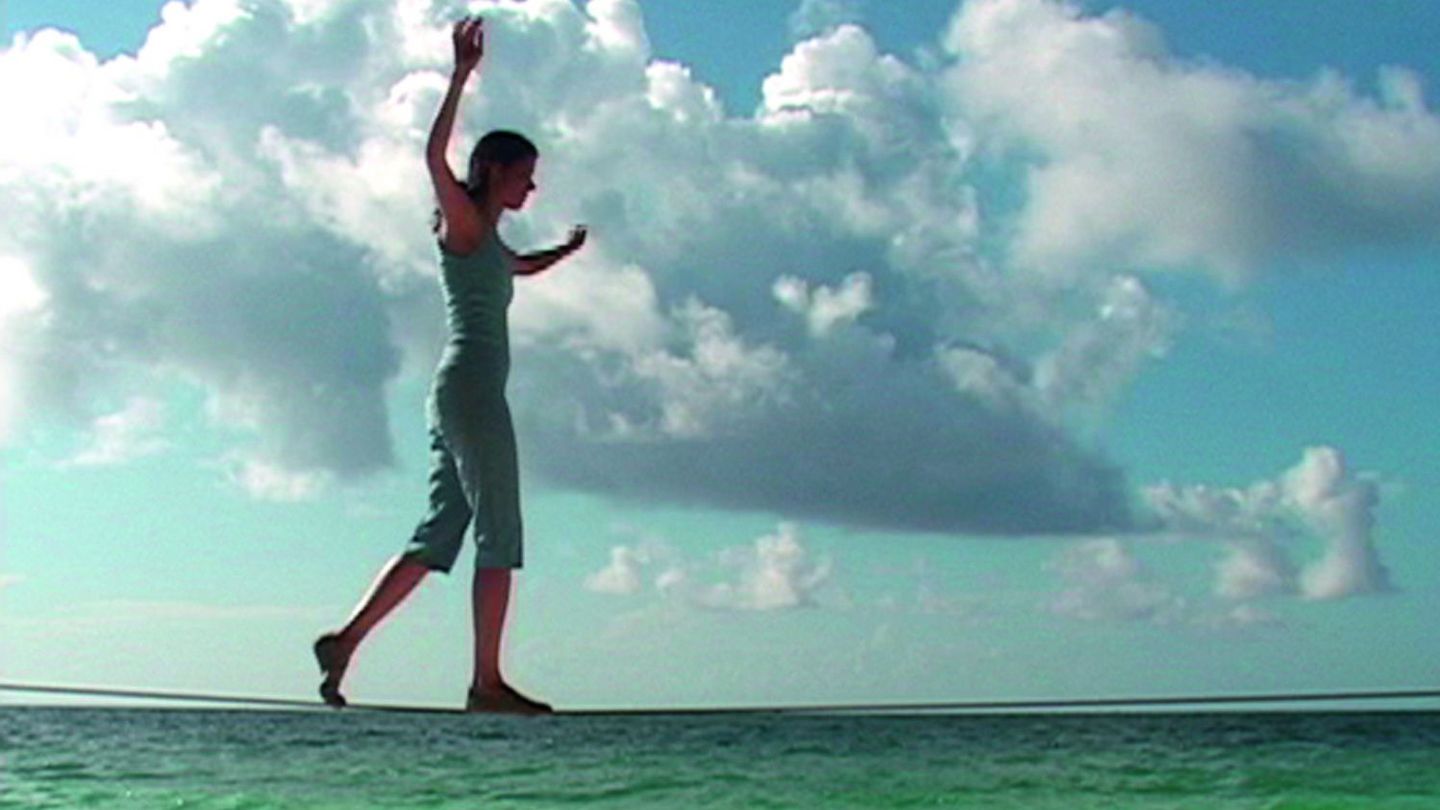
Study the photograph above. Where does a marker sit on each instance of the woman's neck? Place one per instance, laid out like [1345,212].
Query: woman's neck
[490,216]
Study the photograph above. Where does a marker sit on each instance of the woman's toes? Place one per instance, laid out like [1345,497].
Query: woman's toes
[330,693]
[504,699]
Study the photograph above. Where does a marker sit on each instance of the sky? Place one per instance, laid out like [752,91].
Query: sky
[944,351]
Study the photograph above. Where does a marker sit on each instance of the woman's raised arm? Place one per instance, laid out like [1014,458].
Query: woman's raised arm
[457,212]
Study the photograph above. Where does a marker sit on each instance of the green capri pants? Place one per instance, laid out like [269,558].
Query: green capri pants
[474,472]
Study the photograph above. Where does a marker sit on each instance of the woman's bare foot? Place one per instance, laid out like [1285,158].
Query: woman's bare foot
[333,656]
[503,699]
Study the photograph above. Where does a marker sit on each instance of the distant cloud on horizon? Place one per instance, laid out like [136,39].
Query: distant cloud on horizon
[775,572]
[1319,497]
[1306,534]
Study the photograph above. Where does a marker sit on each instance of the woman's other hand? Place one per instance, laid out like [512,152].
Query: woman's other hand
[577,238]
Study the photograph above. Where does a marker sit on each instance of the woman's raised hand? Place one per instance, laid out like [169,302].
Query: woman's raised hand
[469,39]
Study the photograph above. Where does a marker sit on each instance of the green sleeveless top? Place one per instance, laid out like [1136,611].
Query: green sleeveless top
[478,288]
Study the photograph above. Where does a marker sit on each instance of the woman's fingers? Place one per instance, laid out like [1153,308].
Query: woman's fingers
[469,40]
[469,33]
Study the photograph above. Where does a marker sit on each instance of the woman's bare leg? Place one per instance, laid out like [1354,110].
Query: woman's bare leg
[490,600]
[395,582]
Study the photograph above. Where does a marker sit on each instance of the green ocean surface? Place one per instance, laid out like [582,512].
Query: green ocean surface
[68,757]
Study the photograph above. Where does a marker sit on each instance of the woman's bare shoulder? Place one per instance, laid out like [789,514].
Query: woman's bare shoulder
[460,239]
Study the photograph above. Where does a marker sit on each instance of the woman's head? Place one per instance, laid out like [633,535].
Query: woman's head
[503,165]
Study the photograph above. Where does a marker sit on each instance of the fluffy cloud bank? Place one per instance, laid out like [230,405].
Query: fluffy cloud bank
[793,311]
[164,250]
[1135,157]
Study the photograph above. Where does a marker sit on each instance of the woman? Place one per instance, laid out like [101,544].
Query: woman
[473,475]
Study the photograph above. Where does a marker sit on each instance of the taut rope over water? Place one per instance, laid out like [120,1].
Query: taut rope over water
[1054,706]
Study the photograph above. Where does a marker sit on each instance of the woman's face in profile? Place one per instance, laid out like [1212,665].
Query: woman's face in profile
[515,182]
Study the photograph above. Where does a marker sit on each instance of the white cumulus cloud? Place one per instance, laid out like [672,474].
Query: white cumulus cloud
[1138,157]
[794,311]
[1266,525]
[1340,507]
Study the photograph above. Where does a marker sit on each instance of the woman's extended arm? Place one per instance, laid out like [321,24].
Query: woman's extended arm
[457,211]
[531,263]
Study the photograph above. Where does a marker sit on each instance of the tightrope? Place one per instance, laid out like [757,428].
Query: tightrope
[792,709]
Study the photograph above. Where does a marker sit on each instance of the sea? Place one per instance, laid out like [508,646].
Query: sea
[125,757]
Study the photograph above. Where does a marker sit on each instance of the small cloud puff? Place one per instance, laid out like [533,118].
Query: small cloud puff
[776,572]
[813,17]
[130,433]
[622,576]
[825,308]
[1106,582]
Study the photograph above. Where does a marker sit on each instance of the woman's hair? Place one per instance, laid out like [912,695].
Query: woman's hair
[499,147]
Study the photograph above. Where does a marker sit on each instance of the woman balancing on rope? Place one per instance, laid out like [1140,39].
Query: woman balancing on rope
[473,475]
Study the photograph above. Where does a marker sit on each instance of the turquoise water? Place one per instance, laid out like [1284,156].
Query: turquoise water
[153,758]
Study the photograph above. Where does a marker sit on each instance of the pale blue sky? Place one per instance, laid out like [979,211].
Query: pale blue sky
[1221,351]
